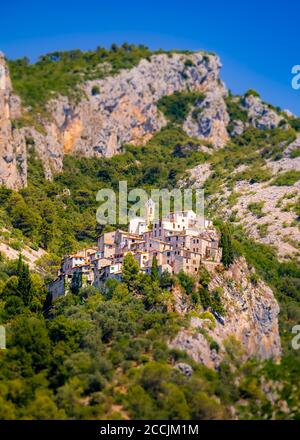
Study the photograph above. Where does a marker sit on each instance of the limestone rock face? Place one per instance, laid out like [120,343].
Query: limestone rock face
[260,115]
[13,167]
[238,128]
[209,120]
[124,111]
[251,319]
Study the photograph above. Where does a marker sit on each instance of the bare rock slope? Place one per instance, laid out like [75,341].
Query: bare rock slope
[13,169]
[251,320]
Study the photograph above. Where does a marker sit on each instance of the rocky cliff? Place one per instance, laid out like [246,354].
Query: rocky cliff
[123,109]
[250,319]
[114,111]
[13,170]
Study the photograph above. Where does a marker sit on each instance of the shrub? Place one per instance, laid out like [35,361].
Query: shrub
[254,174]
[295,123]
[95,90]
[256,208]
[235,111]
[176,107]
[254,278]
[214,346]
[196,112]
[262,230]
[216,301]
[252,92]
[295,153]
[204,297]
[204,276]
[288,178]
[188,63]
[187,282]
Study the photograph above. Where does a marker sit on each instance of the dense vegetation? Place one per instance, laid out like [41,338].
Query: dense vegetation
[177,106]
[104,355]
[61,215]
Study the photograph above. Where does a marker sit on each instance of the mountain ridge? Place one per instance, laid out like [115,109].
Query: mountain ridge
[122,108]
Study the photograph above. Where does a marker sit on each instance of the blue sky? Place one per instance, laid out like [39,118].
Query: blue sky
[258,41]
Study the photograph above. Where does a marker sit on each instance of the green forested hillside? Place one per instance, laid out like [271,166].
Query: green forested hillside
[104,354]
[60,221]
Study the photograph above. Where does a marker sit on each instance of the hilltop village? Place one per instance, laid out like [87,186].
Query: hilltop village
[180,242]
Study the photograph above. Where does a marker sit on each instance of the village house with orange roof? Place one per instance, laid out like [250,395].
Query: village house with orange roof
[182,241]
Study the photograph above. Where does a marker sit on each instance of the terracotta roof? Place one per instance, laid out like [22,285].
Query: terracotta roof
[75,256]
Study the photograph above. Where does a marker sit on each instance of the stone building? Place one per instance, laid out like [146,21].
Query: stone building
[182,241]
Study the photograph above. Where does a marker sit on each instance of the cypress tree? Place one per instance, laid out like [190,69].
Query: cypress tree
[227,249]
[24,282]
[154,269]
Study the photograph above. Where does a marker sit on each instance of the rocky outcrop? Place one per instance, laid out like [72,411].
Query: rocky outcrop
[292,148]
[276,223]
[257,114]
[196,176]
[13,167]
[260,114]
[124,110]
[251,319]
[209,119]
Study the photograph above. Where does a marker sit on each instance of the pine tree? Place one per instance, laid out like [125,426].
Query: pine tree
[130,271]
